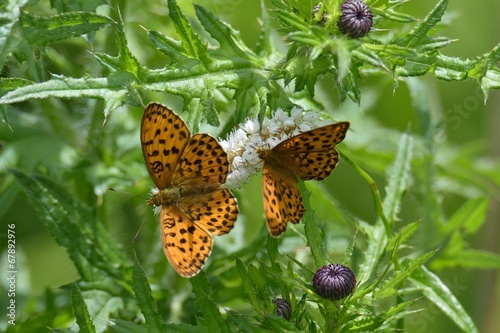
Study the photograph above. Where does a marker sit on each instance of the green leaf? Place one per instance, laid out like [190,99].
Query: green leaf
[9,84]
[149,309]
[112,93]
[212,318]
[191,43]
[314,234]
[169,46]
[390,286]
[228,38]
[398,174]
[469,258]
[363,324]
[128,62]
[43,30]
[413,38]
[469,217]
[392,15]
[73,226]
[81,312]
[402,235]
[122,326]
[439,294]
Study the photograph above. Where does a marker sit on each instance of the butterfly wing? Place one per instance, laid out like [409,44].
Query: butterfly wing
[282,200]
[312,154]
[215,211]
[186,245]
[164,136]
[202,162]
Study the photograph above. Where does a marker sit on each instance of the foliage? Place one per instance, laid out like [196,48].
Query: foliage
[222,81]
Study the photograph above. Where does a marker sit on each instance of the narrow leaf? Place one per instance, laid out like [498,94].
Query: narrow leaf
[149,309]
[193,45]
[439,294]
[212,318]
[414,37]
[42,30]
[81,312]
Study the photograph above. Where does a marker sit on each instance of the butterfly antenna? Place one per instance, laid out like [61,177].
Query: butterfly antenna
[128,193]
[140,227]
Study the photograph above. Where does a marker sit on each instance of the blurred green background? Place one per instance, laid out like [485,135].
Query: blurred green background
[33,141]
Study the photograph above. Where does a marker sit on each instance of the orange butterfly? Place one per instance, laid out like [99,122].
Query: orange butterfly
[309,155]
[188,171]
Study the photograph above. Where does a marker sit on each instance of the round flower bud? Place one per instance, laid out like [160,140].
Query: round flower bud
[283,308]
[356,18]
[334,281]
[316,9]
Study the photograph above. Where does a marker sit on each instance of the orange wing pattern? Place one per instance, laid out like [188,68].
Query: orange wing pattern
[282,201]
[312,154]
[309,155]
[188,172]
[164,135]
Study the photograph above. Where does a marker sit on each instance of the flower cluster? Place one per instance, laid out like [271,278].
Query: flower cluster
[243,144]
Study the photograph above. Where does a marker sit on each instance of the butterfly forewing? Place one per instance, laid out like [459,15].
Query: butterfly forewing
[163,137]
[312,155]
[186,245]
[282,200]
[203,161]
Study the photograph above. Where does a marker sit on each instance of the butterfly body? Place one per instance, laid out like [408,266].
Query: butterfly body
[188,171]
[309,155]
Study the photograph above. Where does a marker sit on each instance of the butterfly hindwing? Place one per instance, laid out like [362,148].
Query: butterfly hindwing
[186,245]
[282,201]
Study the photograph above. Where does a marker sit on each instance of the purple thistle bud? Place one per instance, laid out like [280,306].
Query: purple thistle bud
[334,281]
[283,308]
[323,15]
[356,18]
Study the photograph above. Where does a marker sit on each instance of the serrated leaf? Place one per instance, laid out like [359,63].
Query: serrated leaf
[290,20]
[112,93]
[403,234]
[243,322]
[315,235]
[399,175]
[439,294]
[9,84]
[389,287]
[469,217]
[228,39]
[413,38]
[43,30]
[265,47]
[207,102]
[168,46]
[122,326]
[392,15]
[362,324]
[81,312]
[128,62]
[469,258]
[248,285]
[193,45]
[212,318]
[142,290]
